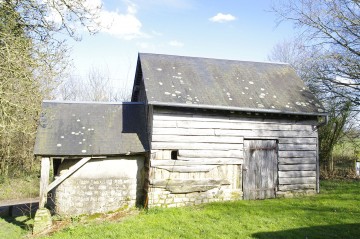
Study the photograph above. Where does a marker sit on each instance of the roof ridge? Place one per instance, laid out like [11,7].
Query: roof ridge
[216,59]
[92,102]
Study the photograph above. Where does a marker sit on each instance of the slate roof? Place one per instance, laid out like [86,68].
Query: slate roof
[91,129]
[224,84]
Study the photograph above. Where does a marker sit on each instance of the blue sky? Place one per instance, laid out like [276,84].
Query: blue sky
[227,29]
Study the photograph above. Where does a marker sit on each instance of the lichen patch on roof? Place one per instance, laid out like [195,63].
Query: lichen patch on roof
[224,83]
[68,129]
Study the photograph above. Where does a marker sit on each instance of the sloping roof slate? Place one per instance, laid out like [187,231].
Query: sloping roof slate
[91,129]
[194,81]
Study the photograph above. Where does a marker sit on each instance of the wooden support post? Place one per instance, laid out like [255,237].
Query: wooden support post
[44,181]
[72,169]
[317,167]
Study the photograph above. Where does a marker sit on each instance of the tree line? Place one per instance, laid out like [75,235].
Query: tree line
[32,64]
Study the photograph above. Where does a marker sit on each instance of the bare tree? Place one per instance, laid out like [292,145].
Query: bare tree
[97,86]
[305,60]
[333,27]
[31,61]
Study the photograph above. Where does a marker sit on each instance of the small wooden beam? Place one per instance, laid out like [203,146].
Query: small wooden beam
[68,173]
[44,181]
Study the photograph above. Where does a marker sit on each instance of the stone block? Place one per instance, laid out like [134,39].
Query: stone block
[178,200]
[42,221]
[83,182]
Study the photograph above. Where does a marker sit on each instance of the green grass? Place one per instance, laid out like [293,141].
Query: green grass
[335,213]
[12,228]
[19,188]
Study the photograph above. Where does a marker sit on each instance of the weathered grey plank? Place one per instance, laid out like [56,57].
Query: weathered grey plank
[72,169]
[235,160]
[181,131]
[296,187]
[296,174]
[298,140]
[175,116]
[191,182]
[165,123]
[198,161]
[229,125]
[211,153]
[302,180]
[263,133]
[241,133]
[187,169]
[297,160]
[288,147]
[189,189]
[211,146]
[297,167]
[297,154]
[198,139]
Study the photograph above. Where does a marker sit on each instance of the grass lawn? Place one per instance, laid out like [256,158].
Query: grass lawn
[335,213]
[17,188]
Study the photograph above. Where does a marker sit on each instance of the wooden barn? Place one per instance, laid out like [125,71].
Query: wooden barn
[197,130]
[227,130]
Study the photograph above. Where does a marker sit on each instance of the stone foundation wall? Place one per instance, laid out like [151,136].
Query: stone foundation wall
[101,185]
[159,197]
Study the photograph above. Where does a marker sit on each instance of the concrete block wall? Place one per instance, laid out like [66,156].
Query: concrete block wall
[101,185]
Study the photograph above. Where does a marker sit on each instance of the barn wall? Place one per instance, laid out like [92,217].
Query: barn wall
[210,148]
[101,185]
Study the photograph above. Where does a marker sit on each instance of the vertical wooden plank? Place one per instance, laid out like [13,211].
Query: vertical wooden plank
[317,166]
[44,181]
[247,182]
[260,173]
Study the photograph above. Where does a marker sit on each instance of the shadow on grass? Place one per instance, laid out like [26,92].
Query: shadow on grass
[338,231]
[22,222]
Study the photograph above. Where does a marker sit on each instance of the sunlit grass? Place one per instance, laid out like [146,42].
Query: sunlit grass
[335,213]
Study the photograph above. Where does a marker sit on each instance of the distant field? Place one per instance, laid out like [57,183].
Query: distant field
[335,213]
[26,187]
[348,149]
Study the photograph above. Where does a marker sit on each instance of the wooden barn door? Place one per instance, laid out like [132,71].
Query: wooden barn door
[260,169]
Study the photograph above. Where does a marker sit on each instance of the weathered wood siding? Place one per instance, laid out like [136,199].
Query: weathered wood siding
[202,138]
[260,169]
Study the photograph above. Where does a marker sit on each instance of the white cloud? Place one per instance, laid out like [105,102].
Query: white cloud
[124,26]
[176,43]
[220,17]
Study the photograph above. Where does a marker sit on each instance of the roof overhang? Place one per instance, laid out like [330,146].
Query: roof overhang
[237,109]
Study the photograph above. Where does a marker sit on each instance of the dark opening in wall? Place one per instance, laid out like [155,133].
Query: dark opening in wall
[174,154]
